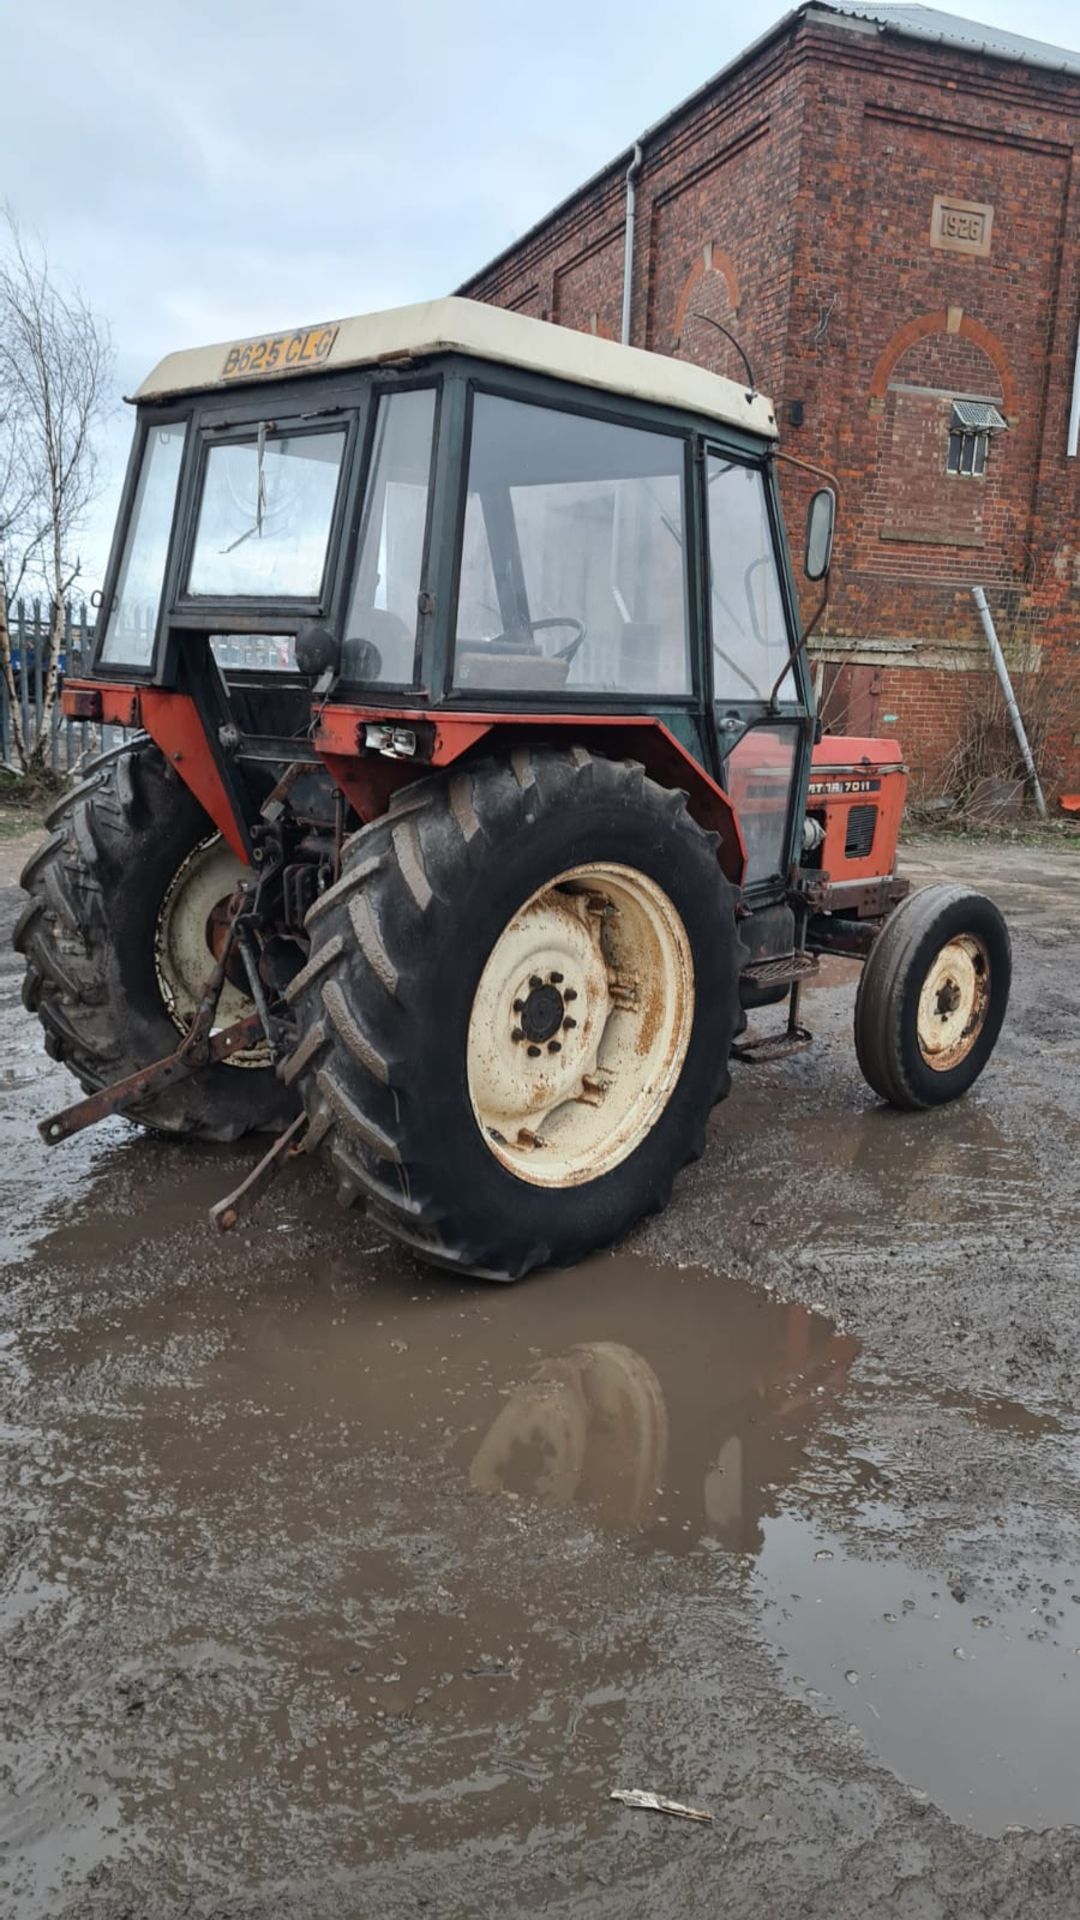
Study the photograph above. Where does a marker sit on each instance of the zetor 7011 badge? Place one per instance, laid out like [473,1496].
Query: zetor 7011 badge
[471,883]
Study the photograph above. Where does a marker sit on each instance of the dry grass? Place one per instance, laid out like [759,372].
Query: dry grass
[988,748]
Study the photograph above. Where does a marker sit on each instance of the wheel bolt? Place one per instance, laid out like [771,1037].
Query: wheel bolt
[570,994]
[567,1024]
[534,1053]
[519,1006]
[554,1046]
[535,981]
[555,979]
[516,1034]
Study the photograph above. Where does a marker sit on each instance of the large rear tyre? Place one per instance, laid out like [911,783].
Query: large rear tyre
[125,897]
[518,1009]
[933,996]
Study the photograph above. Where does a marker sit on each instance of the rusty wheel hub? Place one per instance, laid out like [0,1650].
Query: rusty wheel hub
[191,930]
[580,1025]
[953,1002]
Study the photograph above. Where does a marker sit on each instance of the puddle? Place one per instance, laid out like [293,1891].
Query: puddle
[34,1189]
[685,1413]
[974,1701]
[214,1578]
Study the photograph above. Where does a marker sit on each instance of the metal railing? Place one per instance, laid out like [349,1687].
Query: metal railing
[72,743]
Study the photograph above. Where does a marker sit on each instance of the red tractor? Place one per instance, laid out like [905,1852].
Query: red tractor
[469,873]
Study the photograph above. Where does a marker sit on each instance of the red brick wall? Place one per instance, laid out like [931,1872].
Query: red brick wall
[793,203]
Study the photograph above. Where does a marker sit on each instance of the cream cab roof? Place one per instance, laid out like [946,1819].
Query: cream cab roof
[470,327]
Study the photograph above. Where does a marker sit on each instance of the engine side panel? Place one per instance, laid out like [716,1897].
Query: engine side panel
[857,791]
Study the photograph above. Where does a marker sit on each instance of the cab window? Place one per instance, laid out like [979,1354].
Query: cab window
[265,515]
[750,640]
[572,567]
[132,621]
[380,632]
[760,772]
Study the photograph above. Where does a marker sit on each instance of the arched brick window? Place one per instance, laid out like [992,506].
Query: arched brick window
[937,369]
[711,288]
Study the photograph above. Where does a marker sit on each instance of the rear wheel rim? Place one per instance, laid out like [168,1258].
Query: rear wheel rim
[953,1002]
[187,938]
[580,1025]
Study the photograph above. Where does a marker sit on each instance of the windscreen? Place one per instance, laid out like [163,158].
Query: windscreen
[265,516]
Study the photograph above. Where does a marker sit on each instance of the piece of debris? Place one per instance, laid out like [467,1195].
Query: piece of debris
[656,1803]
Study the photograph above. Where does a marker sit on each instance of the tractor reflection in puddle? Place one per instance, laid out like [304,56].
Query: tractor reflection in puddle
[591,1428]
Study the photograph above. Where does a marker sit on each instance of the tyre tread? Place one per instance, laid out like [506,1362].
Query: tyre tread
[395,903]
[70,940]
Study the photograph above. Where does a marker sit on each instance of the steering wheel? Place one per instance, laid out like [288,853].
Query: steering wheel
[519,637]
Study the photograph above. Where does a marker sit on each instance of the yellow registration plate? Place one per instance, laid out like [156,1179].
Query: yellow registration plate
[280,353]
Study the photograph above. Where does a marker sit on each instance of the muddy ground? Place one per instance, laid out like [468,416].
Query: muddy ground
[332,1587]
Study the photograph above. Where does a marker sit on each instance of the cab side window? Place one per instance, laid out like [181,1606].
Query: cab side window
[750,640]
[380,634]
[573,570]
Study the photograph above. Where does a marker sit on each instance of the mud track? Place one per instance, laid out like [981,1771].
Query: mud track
[328,1586]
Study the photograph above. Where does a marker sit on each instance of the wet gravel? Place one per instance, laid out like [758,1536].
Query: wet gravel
[329,1586]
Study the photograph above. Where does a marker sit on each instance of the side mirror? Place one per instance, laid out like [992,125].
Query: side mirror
[820,521]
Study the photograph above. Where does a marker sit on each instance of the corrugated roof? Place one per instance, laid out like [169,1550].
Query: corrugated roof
[952,30]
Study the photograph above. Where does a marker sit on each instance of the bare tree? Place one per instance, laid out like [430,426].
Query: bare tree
[55,362]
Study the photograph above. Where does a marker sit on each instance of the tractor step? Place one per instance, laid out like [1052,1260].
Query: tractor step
[778,973]
[767,1047]
[772,1046]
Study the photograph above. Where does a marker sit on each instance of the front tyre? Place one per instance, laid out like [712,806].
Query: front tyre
[933,996]
[518,1008]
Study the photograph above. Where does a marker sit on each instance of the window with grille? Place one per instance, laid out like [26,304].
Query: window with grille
[971,424]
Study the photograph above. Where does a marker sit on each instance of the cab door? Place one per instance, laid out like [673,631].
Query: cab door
[762,741]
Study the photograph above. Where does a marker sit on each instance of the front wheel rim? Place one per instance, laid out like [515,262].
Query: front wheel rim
[954,1002]
[580,1025]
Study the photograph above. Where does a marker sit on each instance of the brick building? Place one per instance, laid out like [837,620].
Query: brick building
[882,204]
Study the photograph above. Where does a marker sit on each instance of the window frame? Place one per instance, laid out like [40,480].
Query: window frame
[788,601]
[728,719]
[963,436]
[573,699]
[801,701]
[145,424]
[794,725]
[245,433]
[378,391]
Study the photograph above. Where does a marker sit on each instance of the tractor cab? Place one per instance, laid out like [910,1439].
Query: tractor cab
[456,510]
[475,799]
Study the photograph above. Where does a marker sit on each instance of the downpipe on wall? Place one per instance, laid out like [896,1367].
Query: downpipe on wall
[632,172]
[1002,671]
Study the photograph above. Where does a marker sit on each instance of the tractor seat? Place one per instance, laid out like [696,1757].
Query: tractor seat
[508,669]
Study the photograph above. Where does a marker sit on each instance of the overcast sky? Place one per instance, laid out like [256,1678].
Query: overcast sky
[207,170]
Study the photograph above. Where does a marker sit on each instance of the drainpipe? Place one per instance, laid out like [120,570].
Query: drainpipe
[1074,410]
[1002,670]
[628,254]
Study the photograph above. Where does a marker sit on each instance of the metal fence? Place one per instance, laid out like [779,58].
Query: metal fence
[70,742]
